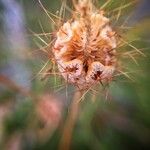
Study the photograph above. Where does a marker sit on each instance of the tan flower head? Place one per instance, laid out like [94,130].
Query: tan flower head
[85,47]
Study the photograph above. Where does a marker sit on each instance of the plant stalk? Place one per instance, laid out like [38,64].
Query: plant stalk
[65,141]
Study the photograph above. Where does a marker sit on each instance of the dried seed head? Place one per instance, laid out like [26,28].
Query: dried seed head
[85,47]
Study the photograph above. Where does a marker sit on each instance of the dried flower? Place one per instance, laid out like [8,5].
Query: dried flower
[85,47]
[49,110]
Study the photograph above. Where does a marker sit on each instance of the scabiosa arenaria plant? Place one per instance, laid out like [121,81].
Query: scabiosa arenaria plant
[85,47]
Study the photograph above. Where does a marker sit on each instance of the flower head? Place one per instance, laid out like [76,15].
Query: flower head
[85,47]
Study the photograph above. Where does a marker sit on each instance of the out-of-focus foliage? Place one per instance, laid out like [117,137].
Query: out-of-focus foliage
[122,122]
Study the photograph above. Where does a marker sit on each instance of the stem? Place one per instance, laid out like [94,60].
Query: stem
[65,140]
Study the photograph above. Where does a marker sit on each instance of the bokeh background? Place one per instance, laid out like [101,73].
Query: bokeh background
[32,111]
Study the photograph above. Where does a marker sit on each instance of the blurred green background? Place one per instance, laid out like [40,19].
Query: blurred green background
[32,112]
